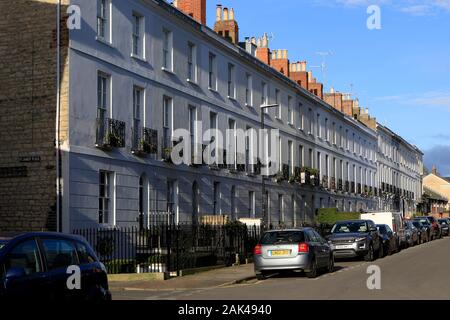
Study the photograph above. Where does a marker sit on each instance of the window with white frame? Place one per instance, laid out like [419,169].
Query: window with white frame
[290,111]
[278,102]
[301,116]
[291,157]
[212,79]
[264,96]
[106,198]
[231,81]
[193,128]
[249,90]
[138,36]
[170,208]
[232,144]
[137,114]
[103,94]
[280,153]
[167,50]
[301,155]
[104,20]
[192,62]
[167,122]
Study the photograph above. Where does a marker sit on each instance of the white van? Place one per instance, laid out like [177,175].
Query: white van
[393,219]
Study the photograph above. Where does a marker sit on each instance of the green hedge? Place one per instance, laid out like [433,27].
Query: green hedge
[331,215]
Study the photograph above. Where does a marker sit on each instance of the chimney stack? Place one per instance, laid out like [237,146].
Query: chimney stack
[434,171]
[226,25]
[194,8]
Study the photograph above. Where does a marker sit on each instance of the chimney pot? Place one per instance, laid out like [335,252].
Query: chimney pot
[231,14]
[219,12]
[225,14]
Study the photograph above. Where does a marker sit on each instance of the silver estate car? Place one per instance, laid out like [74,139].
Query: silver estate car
[292,250]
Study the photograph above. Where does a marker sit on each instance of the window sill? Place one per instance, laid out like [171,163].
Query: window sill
[249,105]
[167,70]
[192,82]
[212,89]
[104,41]
[138,57]
[231,98]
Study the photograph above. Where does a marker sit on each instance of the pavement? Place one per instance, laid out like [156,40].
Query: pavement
[420,272]
[202,280]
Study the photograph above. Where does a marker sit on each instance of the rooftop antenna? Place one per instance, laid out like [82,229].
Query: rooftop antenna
[323,65]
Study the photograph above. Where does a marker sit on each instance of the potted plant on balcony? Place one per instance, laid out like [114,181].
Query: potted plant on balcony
[113,139]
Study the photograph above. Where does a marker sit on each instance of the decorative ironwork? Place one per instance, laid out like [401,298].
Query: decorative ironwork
[145,141]
[110,133]
[340,186]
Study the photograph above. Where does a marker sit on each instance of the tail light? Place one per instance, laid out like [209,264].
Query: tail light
[303,248]
[257,250]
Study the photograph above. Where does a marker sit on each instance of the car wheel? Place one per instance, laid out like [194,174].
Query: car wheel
[370,255]
[261,276]
[313,272]
[331,264]
[381,251]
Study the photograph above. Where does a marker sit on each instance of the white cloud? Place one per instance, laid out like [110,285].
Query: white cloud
[432,99]
[412,7]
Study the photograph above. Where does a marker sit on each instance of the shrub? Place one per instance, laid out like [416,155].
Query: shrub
[331,215]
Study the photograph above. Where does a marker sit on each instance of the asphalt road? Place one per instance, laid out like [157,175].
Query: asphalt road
[421,272]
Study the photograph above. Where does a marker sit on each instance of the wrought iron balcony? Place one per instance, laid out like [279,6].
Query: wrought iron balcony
[352,189]
[340,185]
[347,186]
[110,133]
[359,190]
[145,141]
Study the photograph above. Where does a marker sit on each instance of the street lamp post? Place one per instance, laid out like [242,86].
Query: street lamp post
[263,178]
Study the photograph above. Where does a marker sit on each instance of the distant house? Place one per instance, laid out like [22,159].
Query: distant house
[437,192]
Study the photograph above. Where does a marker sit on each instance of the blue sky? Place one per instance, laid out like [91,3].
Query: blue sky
[401,72]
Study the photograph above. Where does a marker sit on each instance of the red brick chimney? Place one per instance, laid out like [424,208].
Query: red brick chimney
[263,51]
[299,74]
[280,61]
[194,8]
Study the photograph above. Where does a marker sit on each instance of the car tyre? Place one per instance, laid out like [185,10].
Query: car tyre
[261,276]
[370,254]
[313,272]
[331,264]
[380,252]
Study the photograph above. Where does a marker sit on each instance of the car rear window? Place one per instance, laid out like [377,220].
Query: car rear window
[283,237]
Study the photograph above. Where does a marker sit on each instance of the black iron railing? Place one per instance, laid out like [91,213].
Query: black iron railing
[171,247]
[110,133]
[145,141]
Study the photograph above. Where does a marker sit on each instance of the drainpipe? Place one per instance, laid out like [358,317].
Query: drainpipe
[58,105]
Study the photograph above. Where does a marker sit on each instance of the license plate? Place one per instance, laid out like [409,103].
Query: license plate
[277,253]
[344,246]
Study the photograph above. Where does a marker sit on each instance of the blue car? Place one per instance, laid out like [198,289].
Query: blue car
[44,266]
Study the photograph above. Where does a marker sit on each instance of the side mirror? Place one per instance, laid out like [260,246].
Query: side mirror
[15,273]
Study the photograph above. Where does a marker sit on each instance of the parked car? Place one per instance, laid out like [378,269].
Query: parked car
[292,250]
[436,227]
[393,219]
[355,238]
[426,222]
[422,229]
[35,266]
[412,233]
[388,238]
[444,226]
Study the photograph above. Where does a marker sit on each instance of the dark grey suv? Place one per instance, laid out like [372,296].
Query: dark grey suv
[355,238]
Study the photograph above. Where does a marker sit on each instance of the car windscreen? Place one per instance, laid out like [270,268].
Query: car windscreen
[350,227]
[442,221]
[283,237]
[424,221]
[417,224]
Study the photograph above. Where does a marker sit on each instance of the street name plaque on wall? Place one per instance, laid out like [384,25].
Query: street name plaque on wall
[13,172]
